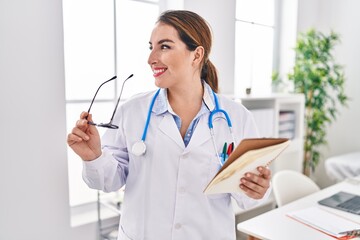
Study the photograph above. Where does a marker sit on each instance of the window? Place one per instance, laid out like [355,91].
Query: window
[254,43]
[99,43]
[133,44]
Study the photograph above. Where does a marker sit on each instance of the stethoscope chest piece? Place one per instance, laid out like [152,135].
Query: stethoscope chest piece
[139,148]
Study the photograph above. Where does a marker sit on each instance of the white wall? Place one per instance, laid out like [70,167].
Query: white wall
[33,176]
[287,26]
[221,17]
[341,16]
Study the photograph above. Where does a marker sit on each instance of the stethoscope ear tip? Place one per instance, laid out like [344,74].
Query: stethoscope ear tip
[139,148]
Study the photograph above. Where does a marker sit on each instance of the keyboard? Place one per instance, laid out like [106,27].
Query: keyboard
[351,205]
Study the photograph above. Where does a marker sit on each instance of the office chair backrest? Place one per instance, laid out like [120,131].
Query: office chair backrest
[290,185]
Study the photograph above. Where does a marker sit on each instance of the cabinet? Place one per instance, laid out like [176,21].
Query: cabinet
[280,115]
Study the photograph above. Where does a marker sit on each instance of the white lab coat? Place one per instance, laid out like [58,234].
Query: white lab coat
[164,196]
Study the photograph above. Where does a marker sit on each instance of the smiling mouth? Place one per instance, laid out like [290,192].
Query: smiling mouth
[158,71]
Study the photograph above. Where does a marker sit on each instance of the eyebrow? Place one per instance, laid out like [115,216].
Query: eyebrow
[163,41]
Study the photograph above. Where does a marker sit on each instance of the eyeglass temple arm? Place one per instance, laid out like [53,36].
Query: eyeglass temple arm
[92,101]
[117,103]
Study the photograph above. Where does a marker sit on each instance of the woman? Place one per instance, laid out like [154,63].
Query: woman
[164,196]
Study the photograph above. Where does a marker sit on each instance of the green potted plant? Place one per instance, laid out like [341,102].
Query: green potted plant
[276,82]
[321,80]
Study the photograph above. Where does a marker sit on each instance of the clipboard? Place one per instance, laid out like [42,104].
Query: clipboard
[246,157]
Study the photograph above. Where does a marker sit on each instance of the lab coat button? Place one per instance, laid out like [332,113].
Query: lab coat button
[177,226]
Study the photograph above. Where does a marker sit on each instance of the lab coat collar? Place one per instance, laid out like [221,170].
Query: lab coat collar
[168,126]
[208,97]
[200,135]
[161,105]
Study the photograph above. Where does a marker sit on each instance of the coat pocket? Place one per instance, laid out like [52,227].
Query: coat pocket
[214,167]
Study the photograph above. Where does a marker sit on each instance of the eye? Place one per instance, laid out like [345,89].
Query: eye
[164,46]
[151,47]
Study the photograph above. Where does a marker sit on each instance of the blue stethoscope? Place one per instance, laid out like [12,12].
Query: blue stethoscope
[139,148]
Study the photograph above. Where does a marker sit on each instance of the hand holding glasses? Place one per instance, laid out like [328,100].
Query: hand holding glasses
[109,124]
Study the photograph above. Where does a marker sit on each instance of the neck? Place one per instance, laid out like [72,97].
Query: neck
[189,94]
[186,103]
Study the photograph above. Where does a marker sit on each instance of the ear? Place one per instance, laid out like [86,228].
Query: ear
[198,55]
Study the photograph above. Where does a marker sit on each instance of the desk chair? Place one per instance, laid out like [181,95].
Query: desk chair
[290,185]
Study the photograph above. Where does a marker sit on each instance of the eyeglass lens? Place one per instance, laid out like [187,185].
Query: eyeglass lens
[109,124]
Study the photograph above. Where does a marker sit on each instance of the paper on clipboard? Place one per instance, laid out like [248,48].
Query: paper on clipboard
[246,157]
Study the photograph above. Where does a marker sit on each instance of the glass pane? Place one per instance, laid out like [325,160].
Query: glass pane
[133,34]
[80,193]
[88,46]
[258,11]
[253,58]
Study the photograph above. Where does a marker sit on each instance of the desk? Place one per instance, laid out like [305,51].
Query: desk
[275,225]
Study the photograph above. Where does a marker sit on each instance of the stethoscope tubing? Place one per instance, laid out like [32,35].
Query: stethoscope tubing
[217,110]
[149,115]
[141,144]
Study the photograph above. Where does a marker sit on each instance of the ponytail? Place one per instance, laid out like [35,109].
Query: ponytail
[209,74]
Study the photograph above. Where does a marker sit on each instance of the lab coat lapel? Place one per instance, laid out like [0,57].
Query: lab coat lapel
[169,128]
[201,133]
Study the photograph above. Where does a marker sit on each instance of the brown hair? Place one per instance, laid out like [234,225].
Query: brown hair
[194,31]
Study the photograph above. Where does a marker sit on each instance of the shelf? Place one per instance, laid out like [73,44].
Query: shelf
[274,113]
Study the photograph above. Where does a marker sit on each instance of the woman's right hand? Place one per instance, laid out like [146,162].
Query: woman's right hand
[84,139]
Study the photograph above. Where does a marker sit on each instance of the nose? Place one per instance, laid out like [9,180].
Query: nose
[152,58]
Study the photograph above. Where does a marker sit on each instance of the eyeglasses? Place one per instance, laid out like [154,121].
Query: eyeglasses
[109,124]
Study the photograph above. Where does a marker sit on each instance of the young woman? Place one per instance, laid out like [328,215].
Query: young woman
[163,150]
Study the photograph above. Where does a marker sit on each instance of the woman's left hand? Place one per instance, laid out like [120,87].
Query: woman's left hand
[256,185]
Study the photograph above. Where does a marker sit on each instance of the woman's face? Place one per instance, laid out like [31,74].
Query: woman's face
[169,59]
